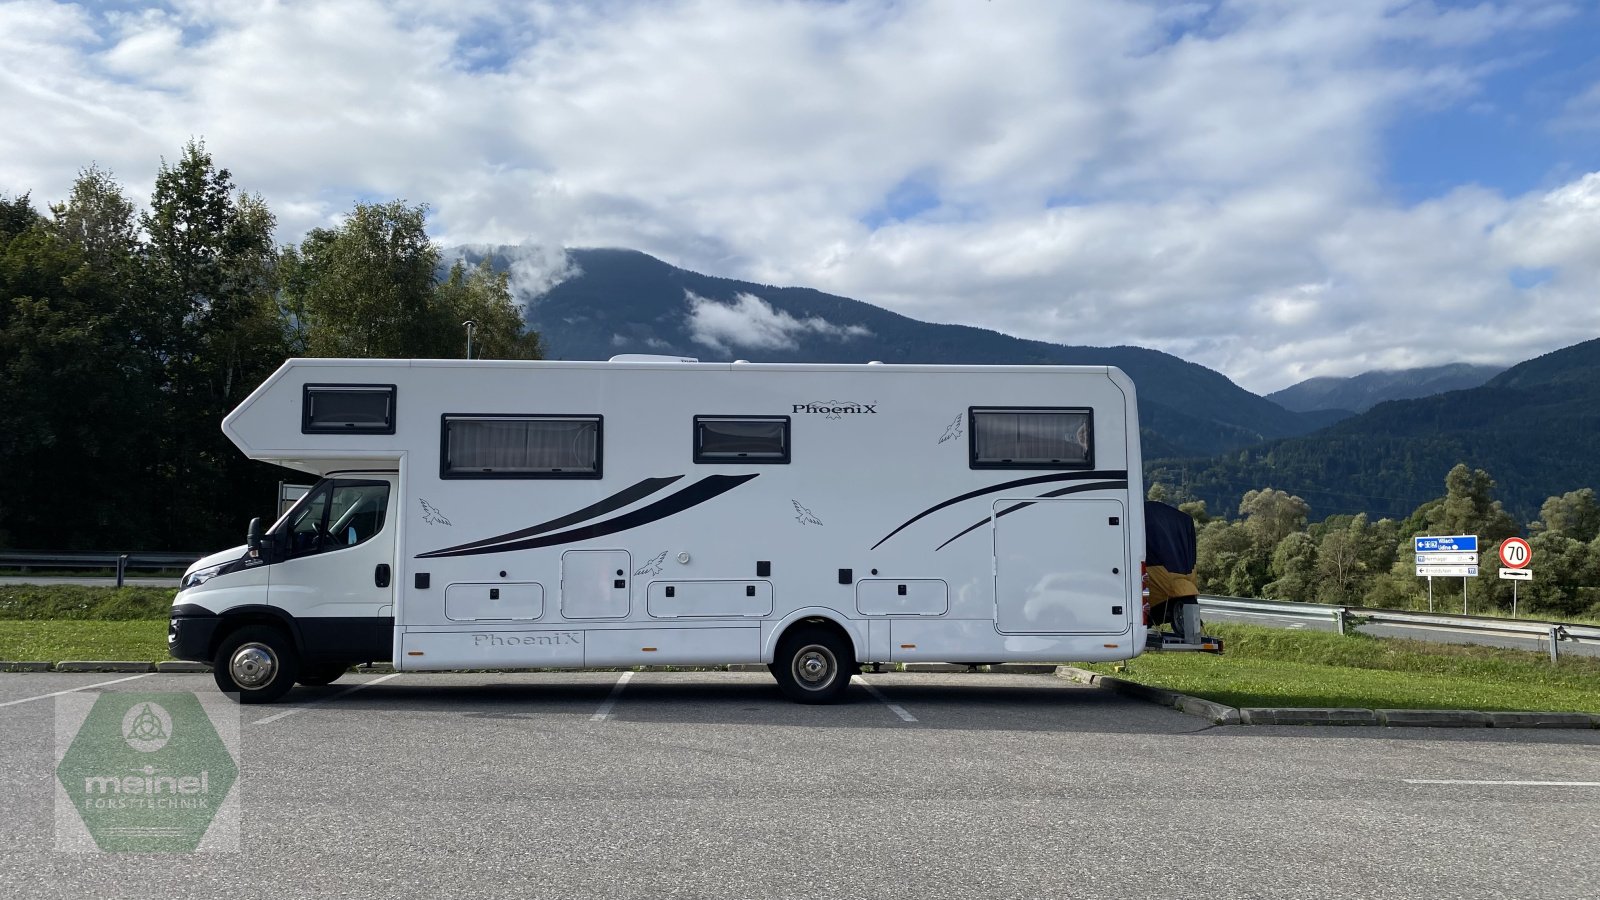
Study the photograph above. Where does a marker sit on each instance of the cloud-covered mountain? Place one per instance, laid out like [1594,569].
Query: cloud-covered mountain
[1362,392]
[594,304]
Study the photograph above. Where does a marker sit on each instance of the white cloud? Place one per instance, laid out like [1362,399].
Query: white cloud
[1204,179]
[751,323]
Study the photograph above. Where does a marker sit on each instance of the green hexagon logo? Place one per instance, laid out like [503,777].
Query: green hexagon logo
[144,772]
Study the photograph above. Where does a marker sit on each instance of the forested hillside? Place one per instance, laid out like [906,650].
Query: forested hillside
[1535,426]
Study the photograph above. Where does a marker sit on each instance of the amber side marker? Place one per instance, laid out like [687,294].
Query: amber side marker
[908,646]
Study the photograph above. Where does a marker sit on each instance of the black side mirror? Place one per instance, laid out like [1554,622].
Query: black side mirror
[252,537]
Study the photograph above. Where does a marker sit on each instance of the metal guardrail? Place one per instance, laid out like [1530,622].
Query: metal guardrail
[1553,632]
[24,560]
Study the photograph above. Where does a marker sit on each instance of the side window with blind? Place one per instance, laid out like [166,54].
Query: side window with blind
[511,446]
[347,409]
[1031,438]
[741,439]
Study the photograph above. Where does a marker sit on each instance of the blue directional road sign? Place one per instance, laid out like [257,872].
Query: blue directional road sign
[1468,542]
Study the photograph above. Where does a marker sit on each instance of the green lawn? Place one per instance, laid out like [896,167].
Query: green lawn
[54,640]
[1272,667]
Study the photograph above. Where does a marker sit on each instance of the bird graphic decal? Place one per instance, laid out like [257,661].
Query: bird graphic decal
[653,567]
[432,516]
[954,431]
[804,516]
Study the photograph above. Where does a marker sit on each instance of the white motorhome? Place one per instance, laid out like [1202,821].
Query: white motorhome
[815,518]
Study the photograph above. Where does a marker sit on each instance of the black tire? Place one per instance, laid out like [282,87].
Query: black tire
[256,664]
[813,665]
[321,673]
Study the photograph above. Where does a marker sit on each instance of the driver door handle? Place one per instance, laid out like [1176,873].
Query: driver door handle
[380,575]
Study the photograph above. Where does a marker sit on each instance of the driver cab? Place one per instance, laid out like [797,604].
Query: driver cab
[332,554]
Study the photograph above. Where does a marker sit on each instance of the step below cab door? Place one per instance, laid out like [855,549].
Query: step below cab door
[335,567]
[1061,566]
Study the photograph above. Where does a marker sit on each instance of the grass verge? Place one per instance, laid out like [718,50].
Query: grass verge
[1274,667]
[73,601]
[54,640]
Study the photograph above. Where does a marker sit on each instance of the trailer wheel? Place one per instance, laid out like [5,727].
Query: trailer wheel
[813,665]
[257,663]
[319,675]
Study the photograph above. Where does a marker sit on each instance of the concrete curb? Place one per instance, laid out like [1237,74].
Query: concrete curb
[1210,710]
[24,666]
[183,666]
[1543,720]
[103,665]
[1432,718]
[1258,715]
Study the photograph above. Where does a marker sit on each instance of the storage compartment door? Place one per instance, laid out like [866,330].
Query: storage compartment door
[594,584]
[1061,566]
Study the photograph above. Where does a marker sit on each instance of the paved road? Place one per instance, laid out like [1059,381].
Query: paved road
[1435,633]
[709,784]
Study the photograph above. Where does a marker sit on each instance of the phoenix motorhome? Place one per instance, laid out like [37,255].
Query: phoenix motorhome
[815,518]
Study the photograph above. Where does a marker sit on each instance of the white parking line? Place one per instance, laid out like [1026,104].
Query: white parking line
[349,690]
[895,708]
[1505,783]
[75,690]
[601,714]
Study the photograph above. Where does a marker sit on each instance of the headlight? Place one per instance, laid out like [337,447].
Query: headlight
[201,576]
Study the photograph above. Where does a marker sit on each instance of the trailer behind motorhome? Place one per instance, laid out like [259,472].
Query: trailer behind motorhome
[815,518]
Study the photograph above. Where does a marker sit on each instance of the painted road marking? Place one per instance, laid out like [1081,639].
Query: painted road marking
[895,708]
[604,712]
[1506,783]
[75,690]
[349,690]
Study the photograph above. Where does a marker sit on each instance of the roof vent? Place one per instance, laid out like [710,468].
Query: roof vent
[651,357]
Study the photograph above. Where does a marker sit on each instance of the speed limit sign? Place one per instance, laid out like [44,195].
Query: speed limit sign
[1515,553]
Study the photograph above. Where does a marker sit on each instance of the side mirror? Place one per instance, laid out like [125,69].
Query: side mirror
[252,537]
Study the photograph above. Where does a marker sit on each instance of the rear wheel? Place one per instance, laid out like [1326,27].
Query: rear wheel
[813,665]
[321,674]
[257,663]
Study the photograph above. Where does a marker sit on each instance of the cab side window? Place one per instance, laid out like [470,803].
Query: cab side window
[338,514]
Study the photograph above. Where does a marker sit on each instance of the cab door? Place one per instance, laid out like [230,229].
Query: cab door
[335,565]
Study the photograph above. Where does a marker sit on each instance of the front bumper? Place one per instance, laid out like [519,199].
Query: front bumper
[189,632]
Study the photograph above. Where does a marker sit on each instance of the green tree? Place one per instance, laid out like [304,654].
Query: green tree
[1294,568]
[1272,515]
[213,323]
[76,403]
[483,296]
[366,288]
[1574,514]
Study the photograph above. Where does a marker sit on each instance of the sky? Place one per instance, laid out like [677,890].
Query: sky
[1276,189]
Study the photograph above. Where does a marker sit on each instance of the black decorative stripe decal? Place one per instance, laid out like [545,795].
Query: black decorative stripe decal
[1075,489]
[693,495]
[1021,482]
[616,501]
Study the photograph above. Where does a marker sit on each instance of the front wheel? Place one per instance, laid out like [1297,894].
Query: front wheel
[257,663]
[813,666]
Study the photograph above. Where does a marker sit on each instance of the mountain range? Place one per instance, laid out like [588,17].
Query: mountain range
[623,301]
[1359,393]
[1380,448]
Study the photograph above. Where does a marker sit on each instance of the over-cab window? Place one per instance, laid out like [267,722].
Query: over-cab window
[1031,438]
[347,409]
[741,439]
[501,446]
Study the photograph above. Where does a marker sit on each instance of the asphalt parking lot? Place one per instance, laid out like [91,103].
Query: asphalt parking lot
[711,784]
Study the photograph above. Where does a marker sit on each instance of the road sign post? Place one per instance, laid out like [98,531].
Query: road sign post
[1515,558]
[1451,556]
